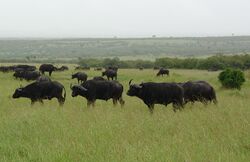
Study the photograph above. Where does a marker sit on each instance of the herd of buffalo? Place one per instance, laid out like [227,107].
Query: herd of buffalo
[177,94]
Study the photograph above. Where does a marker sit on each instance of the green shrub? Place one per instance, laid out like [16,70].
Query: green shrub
[231,78]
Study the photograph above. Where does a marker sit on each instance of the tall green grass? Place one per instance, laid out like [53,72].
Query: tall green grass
[106,133]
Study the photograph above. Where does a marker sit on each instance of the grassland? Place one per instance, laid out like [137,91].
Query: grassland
[124,48]
[106,133]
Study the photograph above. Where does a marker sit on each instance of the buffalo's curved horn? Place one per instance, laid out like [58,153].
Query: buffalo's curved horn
[138,86]
[82,88]
[129,83]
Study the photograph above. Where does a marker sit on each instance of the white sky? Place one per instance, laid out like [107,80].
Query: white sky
[123,18]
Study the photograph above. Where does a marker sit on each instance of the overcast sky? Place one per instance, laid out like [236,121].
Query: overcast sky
[123,18]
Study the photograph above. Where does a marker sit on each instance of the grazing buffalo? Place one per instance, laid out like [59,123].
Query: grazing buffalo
[81,76]
[17,68]
[162,72]
[198,91]
[43,78]
[213,69]
[27,75]
[158,93]
[5,69]
[140,68]
[98,78]
[38,91]
[110,74]
[47,68]
[25,67]
[98,69]
[82,68]
[99,89]
[115,68]
[62,68]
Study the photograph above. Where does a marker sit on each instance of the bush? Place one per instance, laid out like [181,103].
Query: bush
[231,78]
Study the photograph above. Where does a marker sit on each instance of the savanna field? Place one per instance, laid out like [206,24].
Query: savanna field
[105,133]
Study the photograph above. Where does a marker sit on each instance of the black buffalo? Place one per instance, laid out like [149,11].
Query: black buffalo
[115,68]
[62,68]
[27,75]
[158,93]
[98,78]
[81,76]
[198,91]
[162,72]
[98,69]
[110,74]
[82,68]
[25,67]
[43,78]
[17,68]
[38,91]
[47,68]
[99,89]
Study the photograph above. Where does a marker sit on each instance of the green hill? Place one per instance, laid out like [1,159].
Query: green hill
[142,48]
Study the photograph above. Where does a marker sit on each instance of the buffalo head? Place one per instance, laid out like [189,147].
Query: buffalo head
[134,89]
[18,93]
[78,90]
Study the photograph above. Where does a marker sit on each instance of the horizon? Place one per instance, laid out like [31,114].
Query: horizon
[116,37]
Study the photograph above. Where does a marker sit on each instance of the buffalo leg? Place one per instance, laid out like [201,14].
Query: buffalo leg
[33,102]
[177,106]
[41,101]
[60,100]
[89,103]
[93,103]
[114,102]
[121,101]
[151,108]
[50,73]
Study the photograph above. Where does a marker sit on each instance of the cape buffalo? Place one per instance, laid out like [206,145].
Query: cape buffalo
[162,72]
[198,91]
[47,68]
[27,75]
[81,76]
[82,68]
[43,78]
[99,89]
[115,68]
[98,69]
[37,91]
[62,68]
[25,67]
[98,78]
[158,93]
[110,74]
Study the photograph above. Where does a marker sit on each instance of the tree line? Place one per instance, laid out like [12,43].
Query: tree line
[217,62]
